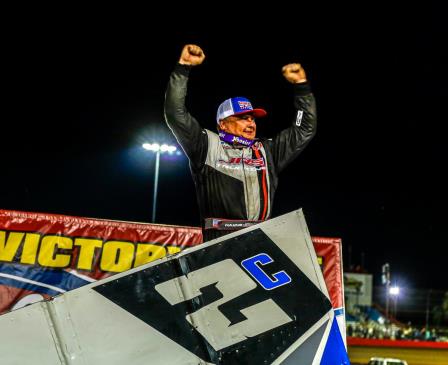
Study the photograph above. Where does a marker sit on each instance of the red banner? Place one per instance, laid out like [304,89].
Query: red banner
[329,251]
[42,255]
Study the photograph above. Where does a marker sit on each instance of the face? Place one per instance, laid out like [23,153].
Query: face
[239,125]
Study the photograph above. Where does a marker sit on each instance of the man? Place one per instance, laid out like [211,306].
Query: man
[235,173]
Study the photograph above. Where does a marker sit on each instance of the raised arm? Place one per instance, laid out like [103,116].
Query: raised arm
[288,144]
[184,126]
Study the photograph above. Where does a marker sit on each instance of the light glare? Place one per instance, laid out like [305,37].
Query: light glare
[395,290]
[155,147]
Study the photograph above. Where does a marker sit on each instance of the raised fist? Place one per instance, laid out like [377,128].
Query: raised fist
[192,55]
[294,73]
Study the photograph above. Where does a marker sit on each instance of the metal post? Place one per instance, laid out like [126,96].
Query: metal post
[387,300]
[156,182]
[386,281]
[395,306]
[428,296]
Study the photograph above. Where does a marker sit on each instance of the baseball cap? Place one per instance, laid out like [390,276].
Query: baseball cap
[237,106]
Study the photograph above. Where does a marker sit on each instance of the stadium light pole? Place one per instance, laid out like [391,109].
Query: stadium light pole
[385,279]
[428,297]
[394,291]
[158,149]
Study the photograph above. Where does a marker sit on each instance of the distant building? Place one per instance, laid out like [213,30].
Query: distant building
[358,290]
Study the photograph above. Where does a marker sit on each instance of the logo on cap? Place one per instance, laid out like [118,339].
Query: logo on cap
[245,105]
[236,106]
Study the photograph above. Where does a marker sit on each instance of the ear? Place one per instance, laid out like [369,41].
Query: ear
[222,125]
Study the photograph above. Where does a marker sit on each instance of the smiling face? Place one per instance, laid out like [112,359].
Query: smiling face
[239,125]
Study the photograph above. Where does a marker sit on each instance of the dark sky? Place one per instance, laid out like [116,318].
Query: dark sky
[81,95]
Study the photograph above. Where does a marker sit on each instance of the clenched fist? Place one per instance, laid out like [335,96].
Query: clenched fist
[192,55]
[294,73]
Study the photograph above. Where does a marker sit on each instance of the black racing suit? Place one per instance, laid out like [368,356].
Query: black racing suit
[236,182]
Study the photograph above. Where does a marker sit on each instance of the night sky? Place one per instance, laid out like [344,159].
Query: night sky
[81,95]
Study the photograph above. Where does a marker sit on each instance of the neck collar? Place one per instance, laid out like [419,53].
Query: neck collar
[235,140]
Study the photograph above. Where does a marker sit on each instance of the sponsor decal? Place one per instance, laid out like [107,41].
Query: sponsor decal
[299,118]
[236,163]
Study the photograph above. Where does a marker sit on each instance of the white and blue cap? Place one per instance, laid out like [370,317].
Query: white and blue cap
[238,106]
